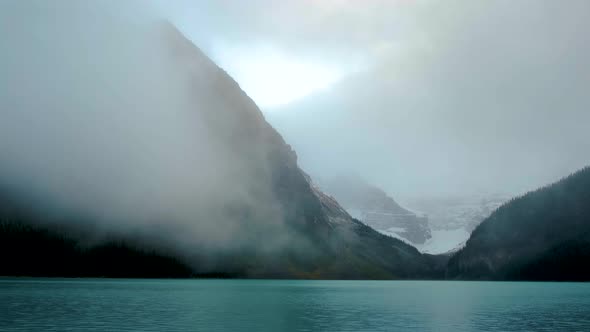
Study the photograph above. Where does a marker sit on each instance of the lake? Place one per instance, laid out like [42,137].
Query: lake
[285,305]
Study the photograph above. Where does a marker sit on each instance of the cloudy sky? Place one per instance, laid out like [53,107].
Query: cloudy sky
[419,97]
[283,50]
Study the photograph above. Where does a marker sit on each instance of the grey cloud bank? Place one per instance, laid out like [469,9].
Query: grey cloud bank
[476,97]
[462,97]
[102,118]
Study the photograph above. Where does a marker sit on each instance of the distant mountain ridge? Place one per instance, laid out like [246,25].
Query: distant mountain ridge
[375,208]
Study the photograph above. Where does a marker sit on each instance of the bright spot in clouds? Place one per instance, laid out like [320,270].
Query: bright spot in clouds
[272,78]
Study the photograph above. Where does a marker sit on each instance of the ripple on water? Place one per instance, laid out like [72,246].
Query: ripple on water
[276,305]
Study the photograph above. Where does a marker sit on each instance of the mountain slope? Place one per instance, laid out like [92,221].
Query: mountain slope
[375,208]
[231,200]
[543,235]
[329,243]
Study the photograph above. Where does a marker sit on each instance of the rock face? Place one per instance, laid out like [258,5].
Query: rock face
[254,212]
[543,235]
[376,209]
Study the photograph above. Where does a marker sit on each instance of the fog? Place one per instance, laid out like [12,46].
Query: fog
[435,97]
[100,118]
[103,120]
[490,99]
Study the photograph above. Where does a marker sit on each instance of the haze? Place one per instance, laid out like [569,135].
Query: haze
[100,124]
[418,97]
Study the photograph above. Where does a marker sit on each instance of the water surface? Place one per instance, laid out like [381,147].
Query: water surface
[276,305]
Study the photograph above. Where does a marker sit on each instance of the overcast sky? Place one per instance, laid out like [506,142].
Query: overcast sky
[419,97]
[283,50]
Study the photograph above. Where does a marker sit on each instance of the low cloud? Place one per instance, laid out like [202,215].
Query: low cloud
[102,122]
[465,97]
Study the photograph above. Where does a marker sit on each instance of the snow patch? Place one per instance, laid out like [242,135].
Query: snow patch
[444,241]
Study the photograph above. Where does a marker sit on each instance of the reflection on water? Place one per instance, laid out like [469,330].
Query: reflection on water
[262,305]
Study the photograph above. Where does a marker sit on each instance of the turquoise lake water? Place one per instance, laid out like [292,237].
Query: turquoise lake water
[277,305]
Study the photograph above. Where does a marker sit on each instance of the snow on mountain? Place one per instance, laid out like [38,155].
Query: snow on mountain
[376,209]
[443,225]
[445,241]
[453,212]
[452,219]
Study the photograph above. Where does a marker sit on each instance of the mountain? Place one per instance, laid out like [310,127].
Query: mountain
[375,208]
[457,211]
[452,218]
[233,202]
[543,235]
